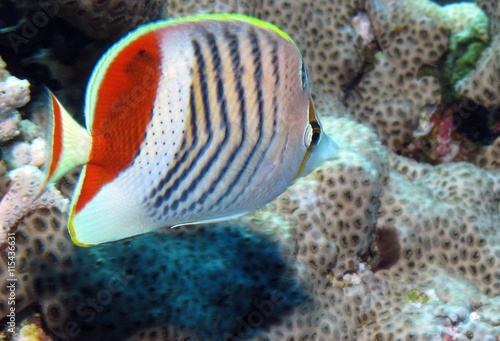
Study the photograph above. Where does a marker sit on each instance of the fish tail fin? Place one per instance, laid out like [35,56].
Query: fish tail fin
[68,143]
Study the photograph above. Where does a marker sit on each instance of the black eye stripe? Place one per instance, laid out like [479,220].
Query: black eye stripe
[316,131]
[303,75]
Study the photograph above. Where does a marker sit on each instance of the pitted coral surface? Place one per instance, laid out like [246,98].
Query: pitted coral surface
[370,246]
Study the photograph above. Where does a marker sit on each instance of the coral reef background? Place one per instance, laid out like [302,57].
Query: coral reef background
[396,238]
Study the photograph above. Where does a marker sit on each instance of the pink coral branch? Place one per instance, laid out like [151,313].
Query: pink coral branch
[20,198]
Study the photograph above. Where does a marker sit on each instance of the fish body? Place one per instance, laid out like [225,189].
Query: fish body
[192,120]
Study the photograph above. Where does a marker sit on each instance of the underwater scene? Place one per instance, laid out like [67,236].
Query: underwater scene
[262,170]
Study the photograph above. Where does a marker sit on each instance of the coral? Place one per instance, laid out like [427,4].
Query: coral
[315,259]
[31,332]
[409,74]
[99,19]
[4,178]
[178,9]
[370,246]
[17,154]
[3,71]
[492,9]
[9,127]
[490,156]
[382,58]
[443,222]
[29,328]
[390,97]
[21,197]
[452,134]
[469,37]
[483,84]
[209,279]
[326,35]
[20,153]
[19,188]
[466,20]
[14,93]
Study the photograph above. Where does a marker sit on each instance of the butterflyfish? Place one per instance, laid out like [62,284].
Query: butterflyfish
[198,119]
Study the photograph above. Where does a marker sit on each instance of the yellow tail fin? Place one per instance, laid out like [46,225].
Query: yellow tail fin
[68,143]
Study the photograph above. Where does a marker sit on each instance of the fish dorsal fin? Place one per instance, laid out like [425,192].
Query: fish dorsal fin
[143,36]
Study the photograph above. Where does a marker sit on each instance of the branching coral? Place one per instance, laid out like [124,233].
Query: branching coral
[21,157]
[14,93]
[21,198]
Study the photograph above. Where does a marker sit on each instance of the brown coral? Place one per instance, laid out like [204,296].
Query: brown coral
[489,158]
[99,19]
[443,218]
[392,96]
[14,93]
[385,248]
[324,32]
[185,8]
[443,221]
[483,84]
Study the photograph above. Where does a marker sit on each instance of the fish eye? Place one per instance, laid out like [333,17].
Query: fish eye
[312,134]
[316,132]
[308,136]
[313,129]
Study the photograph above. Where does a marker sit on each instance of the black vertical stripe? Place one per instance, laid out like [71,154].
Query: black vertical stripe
[202,73]
[234,53]
[185,151]
[219,76]
[205,97]
[221,99]
[257,63]
[202,80]
[180,161]
[276,63]
[276,74]
[217,66]
[233,44]
[258,77]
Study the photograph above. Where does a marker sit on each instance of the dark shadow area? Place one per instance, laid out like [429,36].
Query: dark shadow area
[476,122]
[216,282]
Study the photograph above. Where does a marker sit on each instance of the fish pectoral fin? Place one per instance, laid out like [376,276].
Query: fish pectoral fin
[212,221]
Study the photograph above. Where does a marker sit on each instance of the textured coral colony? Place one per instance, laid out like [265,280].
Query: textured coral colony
[397,238]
